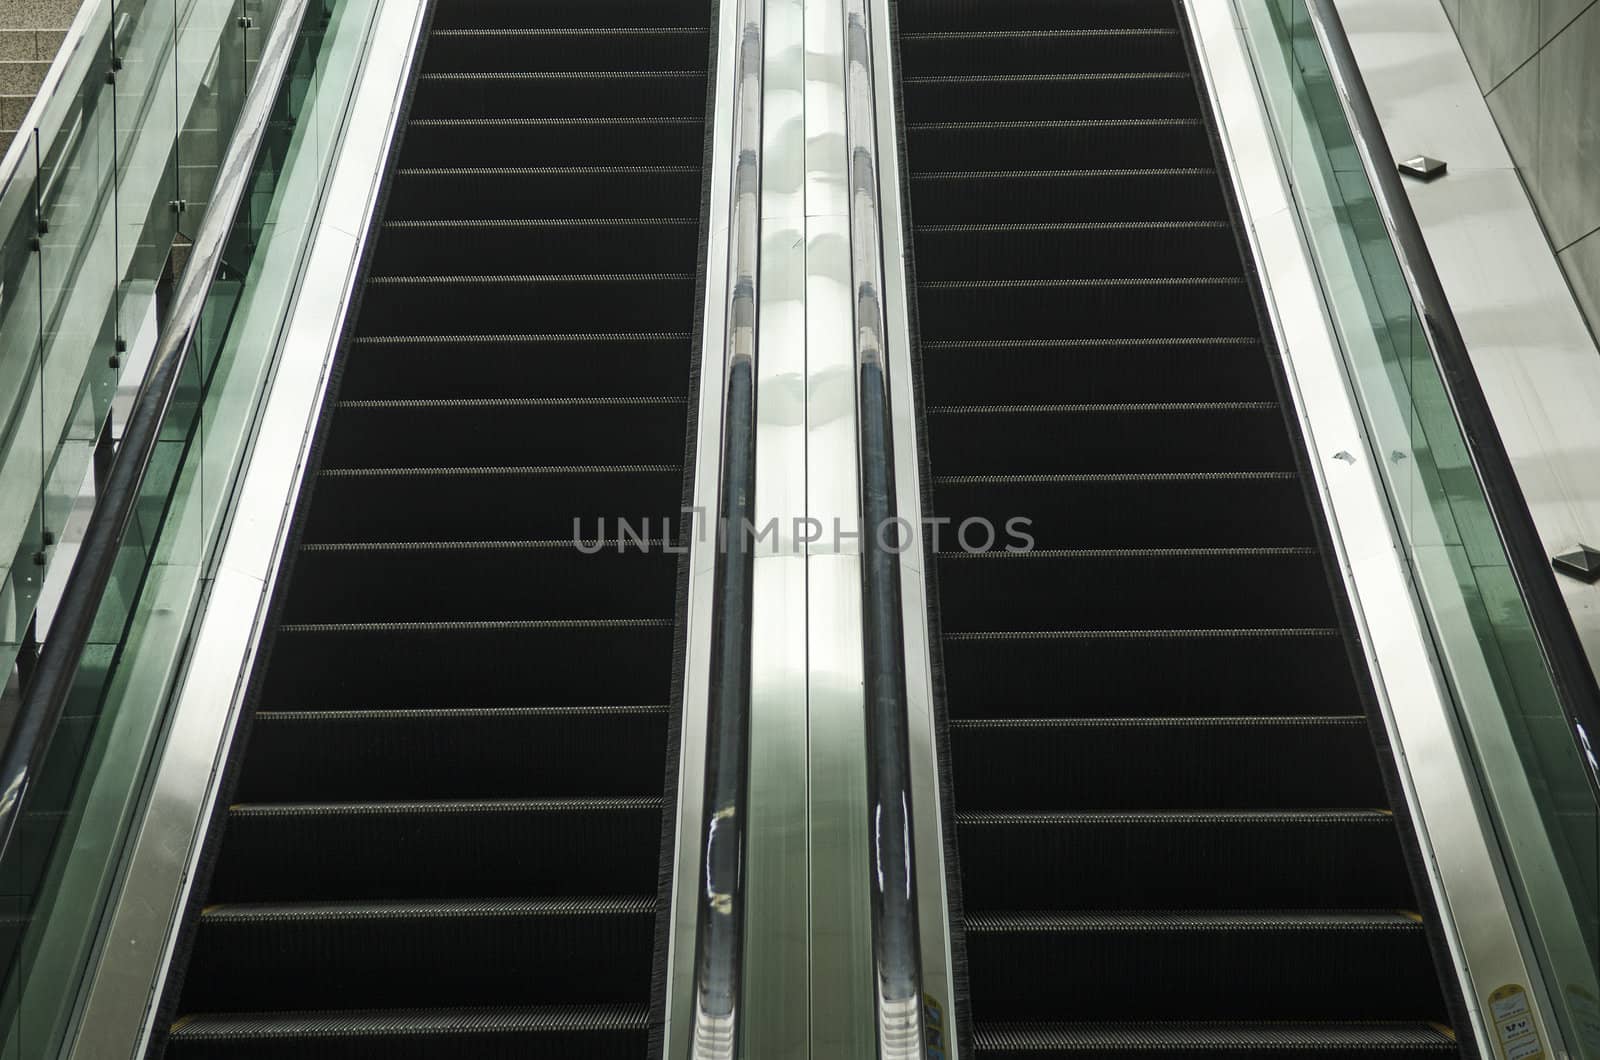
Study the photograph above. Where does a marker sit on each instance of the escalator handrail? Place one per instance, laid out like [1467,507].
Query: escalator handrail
[720,890]
[897,960]
[61,653]
[1559,643]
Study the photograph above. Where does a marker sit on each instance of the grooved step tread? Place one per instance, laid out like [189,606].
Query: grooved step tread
[1196,922]
[1181,1037]
[384,1023]
[345,912]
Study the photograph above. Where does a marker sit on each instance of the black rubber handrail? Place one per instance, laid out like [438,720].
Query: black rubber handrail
[897,952]
[720,891]
[1563,651]
[62,652]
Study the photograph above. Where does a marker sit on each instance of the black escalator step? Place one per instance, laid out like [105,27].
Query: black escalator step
[1314,859]
[537,246]
[455,14]
[552,141]
[1375,1040]
[1031,14]
[1245,509]
[1130,588]
[1042,97]
[596,1032]
[947,195]
[530,432]
[505,663]
[1074,673]
[490,504]
[1210,966]
[455,581]
[1160,307]
[1143,763]
[562,93]
[1032,51]
[1070,144]
[1075,250]
[375,954]
[455,753]
[478,848]
[468,193]
[1090,372]
[420,305]
[513,49]
[1154,437]
[619,365]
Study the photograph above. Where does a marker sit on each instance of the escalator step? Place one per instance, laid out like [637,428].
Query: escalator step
[490,504]
[1146,763]
[625,365]
[1086,50]
[506,47]
[436,849]
[600,1032]
[566,93]
[299,956]
[1201,966]
[455,752]
[1150,860]
[415,249]
[1042,97]
[1212,1041]
[481,193]
[998,196]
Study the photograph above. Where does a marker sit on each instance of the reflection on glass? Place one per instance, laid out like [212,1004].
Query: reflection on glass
[1525,751]
[120,191]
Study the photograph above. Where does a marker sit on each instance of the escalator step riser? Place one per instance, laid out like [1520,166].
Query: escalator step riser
[510,435]
[492,507]
[454,753]
[627,1044]
[492,48]
[1070,97]
[1152,863]
[511,305]
[497,14]
[1148,251]
[949,15]
[1195,513]
[1030,145]
[1083,310]
[465,584]
[419,959]
[1090,374]
[583,142]
[1085,51]
[1224,974]
[566,248]
[570,192]
[1009,591]
[418,851]
[989,196]
[618,366]
[538,94]
[1146,441]
[1241,764]
[1210,1040]
[380,668]
[1167,677]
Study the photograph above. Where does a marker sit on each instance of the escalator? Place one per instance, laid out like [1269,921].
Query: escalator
[1174,828]
[442,822]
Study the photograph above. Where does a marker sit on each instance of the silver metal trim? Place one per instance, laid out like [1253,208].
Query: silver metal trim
[118,1013]
[1442,795]
[938,971]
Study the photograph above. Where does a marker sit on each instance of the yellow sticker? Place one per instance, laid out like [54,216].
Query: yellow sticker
[1514,1028]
